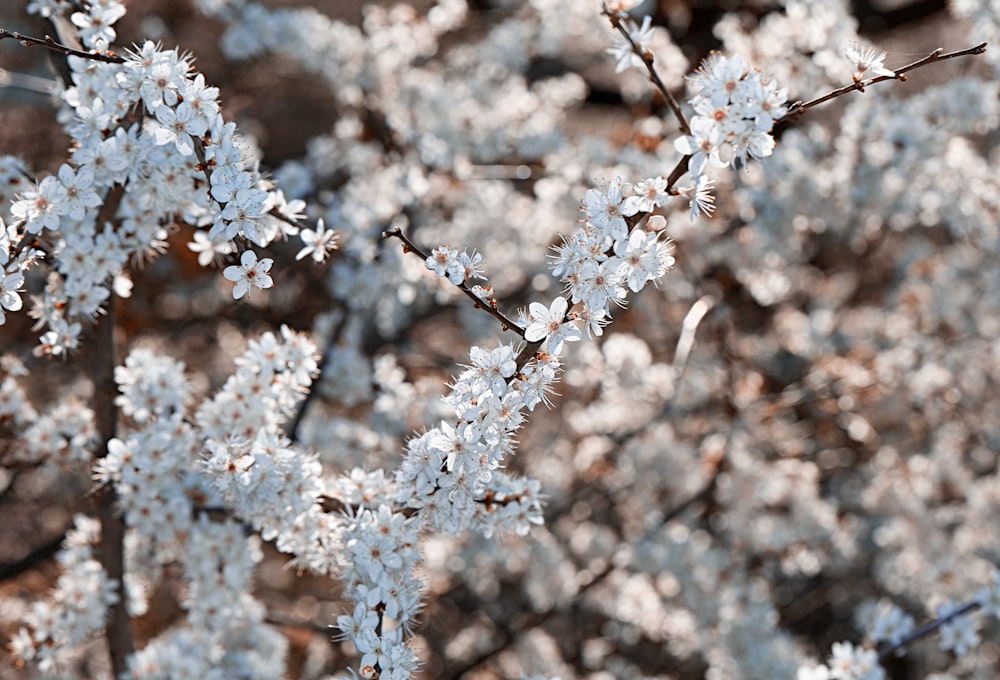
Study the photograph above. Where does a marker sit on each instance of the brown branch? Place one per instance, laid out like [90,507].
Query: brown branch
[886,651]
[44,551]
[679,171]
[798,108]
[409,246]
[647,59]
[111,550]
[50,44]
[292,428]
[294,622]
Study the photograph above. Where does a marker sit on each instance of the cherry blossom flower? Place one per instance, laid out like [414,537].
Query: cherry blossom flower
[318,242]
[622,50]
[643,257]
[209,250]
[603,208]
[866,58]
[10,287]
[80,195]
[958,635]
[648,195]
[989,595]
[854,663]
[550,324]
[250,273]
[41,207]
[178,126]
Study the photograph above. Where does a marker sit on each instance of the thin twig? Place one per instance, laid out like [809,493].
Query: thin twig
[112,546]
[50,44]
[798,108]
[679,171]
[293,622]
[647,59]
[885,652]
[410,246]
[292,429]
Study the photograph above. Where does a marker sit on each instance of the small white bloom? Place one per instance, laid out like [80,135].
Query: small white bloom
[317,242]
[10,298]
[854,663]
[603,207]
[209,250]
[41,207]
[440,260]
[249,273]
[550,324]
[79,194]
[179,125]
[649,194]
[866,58]
[622,50]
[890,624]
[989,596]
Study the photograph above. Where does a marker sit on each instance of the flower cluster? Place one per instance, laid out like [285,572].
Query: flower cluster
[55,629]
[148,127]
[452,474]
[63,434]
[735,107]
[604,259]
[161,468]
[890,626]
[712,519]
[450,469]
[378,573]
[458,267]
[224,634]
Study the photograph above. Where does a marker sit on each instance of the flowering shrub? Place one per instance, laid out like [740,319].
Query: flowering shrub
[777,462]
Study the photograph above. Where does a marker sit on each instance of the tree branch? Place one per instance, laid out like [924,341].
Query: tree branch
[410,246]
[50,44]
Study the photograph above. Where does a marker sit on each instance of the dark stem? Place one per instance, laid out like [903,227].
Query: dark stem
[50,44]
[111,550]
[292,429]
[885,652]
[654,77]
[798,108]
[410,246]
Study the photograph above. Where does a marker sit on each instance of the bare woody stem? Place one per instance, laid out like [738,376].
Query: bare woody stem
[679,171]
[112,546]
[111,550]
[410,246]
[886,651]
[798,108]
[50,44]
[292,427]
[654,77]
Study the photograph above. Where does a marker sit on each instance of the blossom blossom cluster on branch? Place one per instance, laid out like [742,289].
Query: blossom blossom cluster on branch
[150,147]
[201,481]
